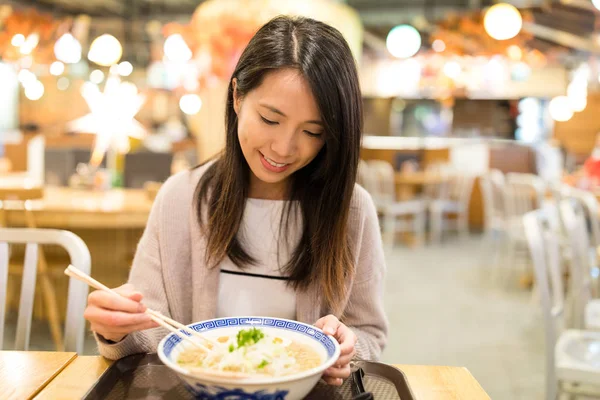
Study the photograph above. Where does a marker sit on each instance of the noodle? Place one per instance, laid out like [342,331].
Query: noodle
[253,352]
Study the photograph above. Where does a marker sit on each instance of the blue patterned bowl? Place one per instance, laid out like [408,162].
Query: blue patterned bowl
[290,387]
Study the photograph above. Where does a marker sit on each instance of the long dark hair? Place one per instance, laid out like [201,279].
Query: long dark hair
[322,189]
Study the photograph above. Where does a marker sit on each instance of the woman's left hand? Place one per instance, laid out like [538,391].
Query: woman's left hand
[335,374]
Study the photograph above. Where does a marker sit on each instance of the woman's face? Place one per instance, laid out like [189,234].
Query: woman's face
[279,129]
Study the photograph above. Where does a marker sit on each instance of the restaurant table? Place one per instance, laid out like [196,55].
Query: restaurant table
[53,375]
[408,183]
[24,374]
[67,208]
[109,222]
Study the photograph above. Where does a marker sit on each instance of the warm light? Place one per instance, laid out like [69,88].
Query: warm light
[30,43]
[190,104]
[63,83]
[111,116]
[452,69]
[57,68]
[97,76]
[596,4]
[403,41]
[438,46]
[577,95]
[17,40]
[105,50]
[128,89]
[514,52]
[125,68]
[176,49]
[67,49]
[521,71]
[34,91]
[26,62]
[26,77]
[559,108]
[503,21]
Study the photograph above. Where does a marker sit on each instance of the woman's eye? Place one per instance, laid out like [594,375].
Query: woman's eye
[313,134]
[268,121]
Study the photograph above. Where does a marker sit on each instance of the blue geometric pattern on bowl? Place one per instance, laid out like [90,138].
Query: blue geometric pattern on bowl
[266,322]
[204,392]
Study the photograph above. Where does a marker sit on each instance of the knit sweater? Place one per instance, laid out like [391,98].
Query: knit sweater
[169,269]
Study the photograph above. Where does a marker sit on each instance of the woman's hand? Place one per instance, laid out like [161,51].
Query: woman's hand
[347,340]
[114,317]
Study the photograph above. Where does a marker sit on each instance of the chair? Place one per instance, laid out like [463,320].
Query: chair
[21,198]
[379,177]
[144,166]
[495,227]
[77,296]
[454,202]
[583,309]
[522,193]
[569,353]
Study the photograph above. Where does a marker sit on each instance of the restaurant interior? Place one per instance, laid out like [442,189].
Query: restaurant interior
[480,151]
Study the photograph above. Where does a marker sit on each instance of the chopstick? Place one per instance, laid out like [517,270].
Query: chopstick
[156,316]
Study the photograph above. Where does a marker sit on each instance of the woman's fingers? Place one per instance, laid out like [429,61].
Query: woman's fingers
[114,318]
[333,381]
[115,302]
[111,331]
[341,373]
[345,359]
[328,324]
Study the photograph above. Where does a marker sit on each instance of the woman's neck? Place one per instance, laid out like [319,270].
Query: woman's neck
[267,191]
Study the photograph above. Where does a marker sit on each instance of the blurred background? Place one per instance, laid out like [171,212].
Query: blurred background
[476,112]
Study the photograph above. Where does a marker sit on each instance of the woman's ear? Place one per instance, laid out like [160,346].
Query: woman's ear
[237,101]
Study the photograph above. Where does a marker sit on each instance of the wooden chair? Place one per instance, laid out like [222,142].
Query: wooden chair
[21,198]
[80,258]
[378,177]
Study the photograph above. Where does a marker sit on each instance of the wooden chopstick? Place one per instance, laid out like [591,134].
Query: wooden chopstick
[156,316]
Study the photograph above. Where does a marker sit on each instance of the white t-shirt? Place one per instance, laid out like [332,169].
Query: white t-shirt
[261,289]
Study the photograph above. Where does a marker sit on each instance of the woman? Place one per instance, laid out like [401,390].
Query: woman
[276,225]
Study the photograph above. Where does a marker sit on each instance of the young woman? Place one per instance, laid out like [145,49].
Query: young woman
[275,226]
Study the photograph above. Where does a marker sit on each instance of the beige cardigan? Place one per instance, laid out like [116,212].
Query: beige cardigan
[169,270]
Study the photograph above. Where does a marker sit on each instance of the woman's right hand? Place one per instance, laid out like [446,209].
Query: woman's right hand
[114,317]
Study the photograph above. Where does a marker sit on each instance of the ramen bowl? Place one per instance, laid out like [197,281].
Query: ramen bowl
[254,387]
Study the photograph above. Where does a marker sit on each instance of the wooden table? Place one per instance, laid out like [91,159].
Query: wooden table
[68,208]
[407,183]
[427,382]
[110,223]
[24,374]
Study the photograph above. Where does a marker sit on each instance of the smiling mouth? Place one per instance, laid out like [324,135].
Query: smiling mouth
[273,163]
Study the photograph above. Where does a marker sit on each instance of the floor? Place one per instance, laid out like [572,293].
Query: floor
[444,309]
[448,311]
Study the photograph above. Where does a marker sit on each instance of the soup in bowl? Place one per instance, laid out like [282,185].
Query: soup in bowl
[253,358]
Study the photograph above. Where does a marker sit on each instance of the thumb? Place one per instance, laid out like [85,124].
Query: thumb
[328,324]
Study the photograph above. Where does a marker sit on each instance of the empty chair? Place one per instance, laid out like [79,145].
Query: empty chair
[145,166]
[382,187]
[569,353]
[522,193]
[581,289]
[495,227]
[454,202]
[77,296]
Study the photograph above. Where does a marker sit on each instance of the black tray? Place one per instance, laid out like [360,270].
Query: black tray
[144,376]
